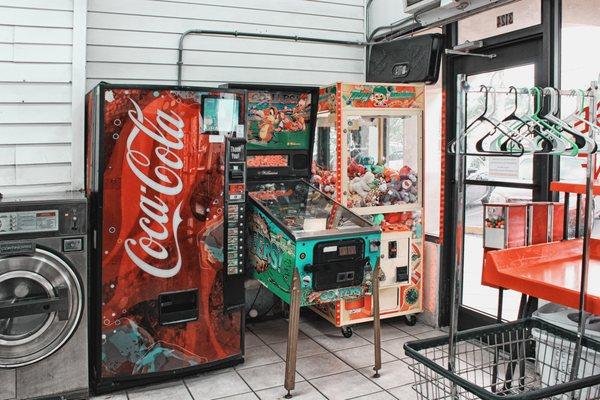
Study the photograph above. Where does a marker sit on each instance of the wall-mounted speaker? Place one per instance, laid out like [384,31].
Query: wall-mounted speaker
[409,60]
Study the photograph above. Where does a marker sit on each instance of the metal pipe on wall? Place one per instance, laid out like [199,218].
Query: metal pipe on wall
[255,35]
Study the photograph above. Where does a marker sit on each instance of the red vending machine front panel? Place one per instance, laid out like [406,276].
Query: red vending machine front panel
[161,211]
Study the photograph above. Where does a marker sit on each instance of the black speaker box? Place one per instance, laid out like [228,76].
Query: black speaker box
[410,60]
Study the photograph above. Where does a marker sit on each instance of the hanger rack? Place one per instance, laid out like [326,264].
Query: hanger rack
[463,90]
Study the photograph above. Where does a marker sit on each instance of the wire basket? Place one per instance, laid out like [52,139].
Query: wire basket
[527,359]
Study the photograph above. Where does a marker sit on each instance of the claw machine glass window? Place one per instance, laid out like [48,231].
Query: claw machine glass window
[383,155]
[324,158]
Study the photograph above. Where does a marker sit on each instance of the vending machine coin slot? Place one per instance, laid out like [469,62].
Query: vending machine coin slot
[392,249]
[402,274]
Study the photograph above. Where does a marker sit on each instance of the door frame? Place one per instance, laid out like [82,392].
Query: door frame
[546,169]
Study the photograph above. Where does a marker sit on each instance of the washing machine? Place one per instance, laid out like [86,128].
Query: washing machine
[43,285]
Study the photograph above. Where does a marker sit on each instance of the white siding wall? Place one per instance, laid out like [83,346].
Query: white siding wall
[36,112]
[43,66]
[136,41]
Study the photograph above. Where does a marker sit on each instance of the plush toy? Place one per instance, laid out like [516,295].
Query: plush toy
[355,169]
[377,169]
[405,171]
[389,174]
[354,200]
[362,184]
[324,180]
[378,219]
[367,161]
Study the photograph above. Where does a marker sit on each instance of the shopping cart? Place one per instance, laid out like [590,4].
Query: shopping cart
[528,359]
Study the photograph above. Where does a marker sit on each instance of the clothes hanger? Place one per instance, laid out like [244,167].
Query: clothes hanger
[542,127]
[479,145]
[584,143]
[452,144]
[483,119]
[517,127]
[575,118]
[546,141]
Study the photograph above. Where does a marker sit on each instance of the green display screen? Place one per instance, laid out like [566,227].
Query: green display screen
[219,115]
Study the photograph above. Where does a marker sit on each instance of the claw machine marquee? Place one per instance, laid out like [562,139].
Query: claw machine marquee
[368,155]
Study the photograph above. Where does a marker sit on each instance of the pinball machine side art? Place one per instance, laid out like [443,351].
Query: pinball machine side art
[273,256]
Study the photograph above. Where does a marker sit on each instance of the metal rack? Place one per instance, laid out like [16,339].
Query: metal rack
[442,368]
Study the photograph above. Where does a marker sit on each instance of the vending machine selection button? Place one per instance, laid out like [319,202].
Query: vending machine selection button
[232,270]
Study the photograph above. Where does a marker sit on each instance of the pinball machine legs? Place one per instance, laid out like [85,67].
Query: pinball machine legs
[292,343]
[293,327]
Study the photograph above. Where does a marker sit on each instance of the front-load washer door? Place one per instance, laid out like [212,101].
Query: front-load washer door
[41,302]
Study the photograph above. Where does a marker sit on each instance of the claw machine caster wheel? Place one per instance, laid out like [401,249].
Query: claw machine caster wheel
[411,320]
[347,331]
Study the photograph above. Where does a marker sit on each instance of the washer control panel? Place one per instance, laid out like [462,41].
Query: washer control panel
[28,221]
[66,219]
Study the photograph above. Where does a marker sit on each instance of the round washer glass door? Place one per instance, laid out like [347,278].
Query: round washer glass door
[41,302]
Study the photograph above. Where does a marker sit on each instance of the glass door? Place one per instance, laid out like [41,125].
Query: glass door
[494,179]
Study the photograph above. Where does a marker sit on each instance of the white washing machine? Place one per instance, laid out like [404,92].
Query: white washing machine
[43,286]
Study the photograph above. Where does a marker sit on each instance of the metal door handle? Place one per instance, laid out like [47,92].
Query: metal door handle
[59,304]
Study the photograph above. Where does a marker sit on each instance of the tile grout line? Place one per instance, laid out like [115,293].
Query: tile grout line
[317,389]
[281,358]
[188,389]
[247,384]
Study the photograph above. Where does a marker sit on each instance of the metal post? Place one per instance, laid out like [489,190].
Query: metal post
[376,321]
[459,219]
[496,350]
[566,222]
[292,343]
[587,233]
[459,213]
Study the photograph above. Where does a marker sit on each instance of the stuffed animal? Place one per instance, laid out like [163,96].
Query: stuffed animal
[355,169]
[362,184]
[389,174]
[377,169]
[324,180]
[367,161]
[378,219]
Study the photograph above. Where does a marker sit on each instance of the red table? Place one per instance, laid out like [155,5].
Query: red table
[549,271]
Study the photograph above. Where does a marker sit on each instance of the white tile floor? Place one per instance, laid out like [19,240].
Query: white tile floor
[329,366]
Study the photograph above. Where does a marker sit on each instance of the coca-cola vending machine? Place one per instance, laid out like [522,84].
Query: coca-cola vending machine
[166,182]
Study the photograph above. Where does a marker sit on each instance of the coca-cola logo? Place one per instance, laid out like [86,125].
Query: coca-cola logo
[163,179]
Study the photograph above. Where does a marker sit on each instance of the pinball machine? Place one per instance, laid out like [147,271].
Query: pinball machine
[302,245]
[165,178]
[368,156]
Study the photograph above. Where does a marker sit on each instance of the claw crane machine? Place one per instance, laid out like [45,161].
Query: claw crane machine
[302,245]
[368,156]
